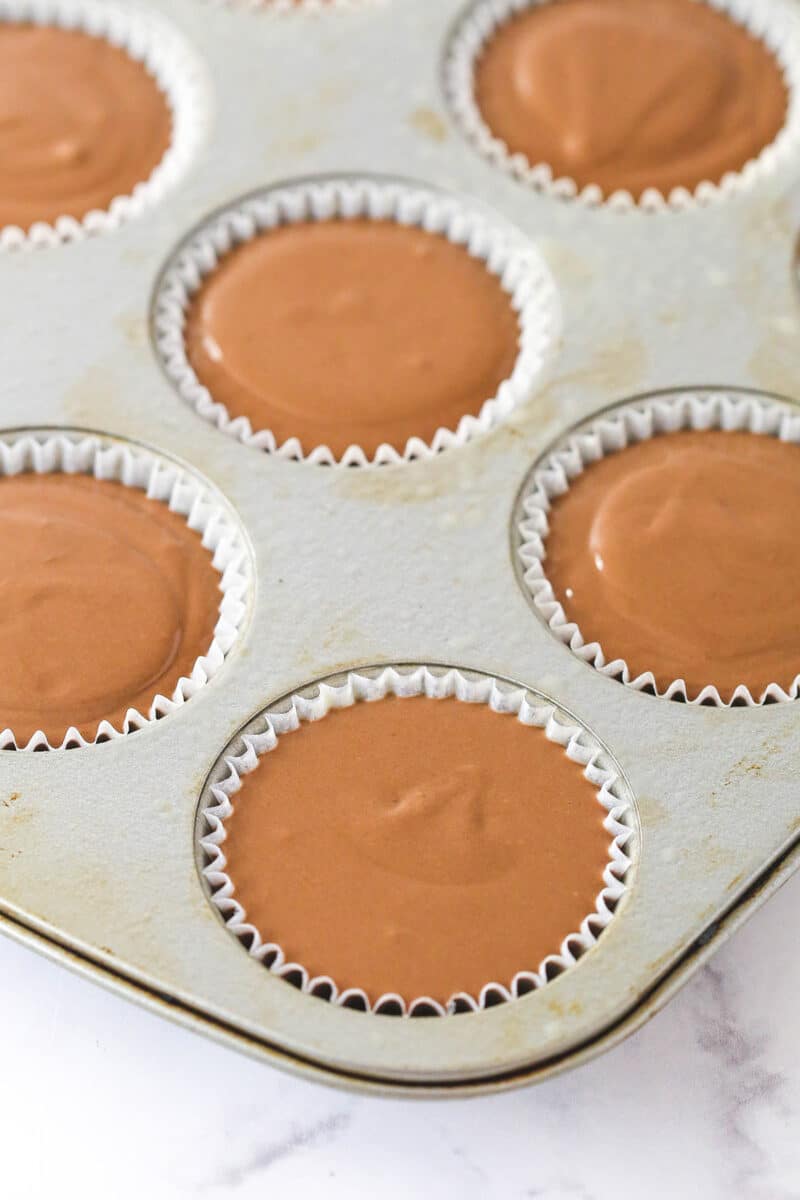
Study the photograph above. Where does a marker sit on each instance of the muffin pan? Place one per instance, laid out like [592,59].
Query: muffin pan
[407,563]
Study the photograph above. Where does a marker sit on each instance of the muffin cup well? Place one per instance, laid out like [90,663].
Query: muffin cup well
[507,254]
[774,22]
[136,467]
[611,432]
[149,39]
[243,755]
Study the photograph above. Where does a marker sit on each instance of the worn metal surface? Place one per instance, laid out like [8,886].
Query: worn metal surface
[406,563]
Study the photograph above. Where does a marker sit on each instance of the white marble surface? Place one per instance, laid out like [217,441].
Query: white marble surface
[100,1099]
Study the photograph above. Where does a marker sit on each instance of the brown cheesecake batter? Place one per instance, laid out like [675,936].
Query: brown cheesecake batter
[631,94]
[679,554]
[417,846]
[351,332]
[106,599]
[80,123]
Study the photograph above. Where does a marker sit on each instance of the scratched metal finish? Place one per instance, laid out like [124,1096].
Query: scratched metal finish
[408,563]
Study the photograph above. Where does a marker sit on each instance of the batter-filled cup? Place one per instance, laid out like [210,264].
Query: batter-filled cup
[124,584]
[658,543]
[655,102]
[438,843]
[104,107]
[356,321]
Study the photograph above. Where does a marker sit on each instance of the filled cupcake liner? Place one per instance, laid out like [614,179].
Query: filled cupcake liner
[774,22]
[506,253]
[146,37]
[244,754]
[175,487]
[608,434]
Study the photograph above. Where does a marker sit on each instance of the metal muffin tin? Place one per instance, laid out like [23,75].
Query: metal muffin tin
[407,563]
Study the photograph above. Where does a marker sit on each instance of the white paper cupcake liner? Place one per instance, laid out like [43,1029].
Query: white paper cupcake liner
[293,6]
[775,22]
[609,433]
[152,41]
[243,755]
[181,492]
[507,254]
